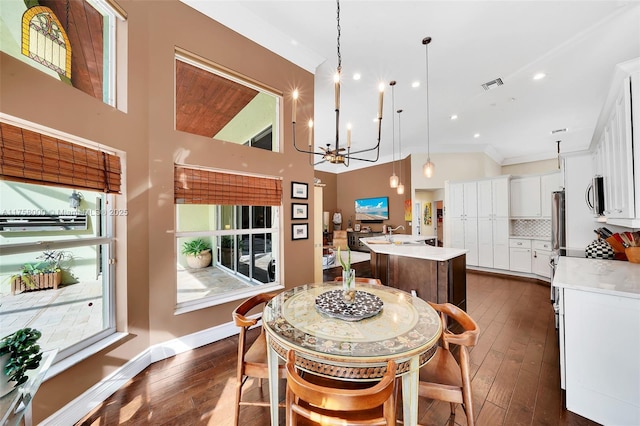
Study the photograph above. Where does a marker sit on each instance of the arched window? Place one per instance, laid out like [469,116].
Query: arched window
[44,40]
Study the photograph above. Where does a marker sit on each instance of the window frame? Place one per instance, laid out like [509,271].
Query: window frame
[256,287]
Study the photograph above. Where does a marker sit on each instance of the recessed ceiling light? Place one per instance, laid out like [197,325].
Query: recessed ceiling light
[415,84]
[476,135]
[539,76]
[454,117]
[357,76]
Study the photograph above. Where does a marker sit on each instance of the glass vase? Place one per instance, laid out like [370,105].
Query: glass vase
[349,285]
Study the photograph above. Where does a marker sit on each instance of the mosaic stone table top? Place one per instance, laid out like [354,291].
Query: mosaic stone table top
[406,326]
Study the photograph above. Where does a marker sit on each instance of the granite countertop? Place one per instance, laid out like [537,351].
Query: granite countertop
[411,246]
[612,277]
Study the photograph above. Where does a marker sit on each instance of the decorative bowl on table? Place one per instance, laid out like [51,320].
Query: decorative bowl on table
[332,303]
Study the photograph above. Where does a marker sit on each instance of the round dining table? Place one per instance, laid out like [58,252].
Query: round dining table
[351,342]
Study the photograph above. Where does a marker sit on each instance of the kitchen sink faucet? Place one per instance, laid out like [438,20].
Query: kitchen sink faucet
[390,230]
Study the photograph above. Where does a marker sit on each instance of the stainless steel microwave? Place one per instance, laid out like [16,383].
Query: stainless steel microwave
[594,196]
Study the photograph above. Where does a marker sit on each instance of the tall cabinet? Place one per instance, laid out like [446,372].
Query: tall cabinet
[617,154]
[493,223]
[463,218]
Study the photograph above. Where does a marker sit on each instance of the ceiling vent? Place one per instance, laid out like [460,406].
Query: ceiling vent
[553,132]
[492,84]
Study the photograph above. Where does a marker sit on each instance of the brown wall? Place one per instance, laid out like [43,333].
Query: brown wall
[342,190]
[146,283]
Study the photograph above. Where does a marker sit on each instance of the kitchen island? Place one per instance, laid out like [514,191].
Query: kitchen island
[436,274]
[599,338]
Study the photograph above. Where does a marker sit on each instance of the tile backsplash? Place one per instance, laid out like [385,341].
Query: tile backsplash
[531,228]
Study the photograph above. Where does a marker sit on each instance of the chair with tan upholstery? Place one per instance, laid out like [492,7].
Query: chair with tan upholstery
[252,360]
[374,405]
[340,240]
[443,378]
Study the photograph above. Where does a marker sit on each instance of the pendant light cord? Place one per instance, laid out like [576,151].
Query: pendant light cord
[426,42]
[399,147]
[393,126]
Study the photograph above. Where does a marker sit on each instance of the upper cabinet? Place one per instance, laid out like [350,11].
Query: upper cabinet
[617,147]
[525,197]
[531,195]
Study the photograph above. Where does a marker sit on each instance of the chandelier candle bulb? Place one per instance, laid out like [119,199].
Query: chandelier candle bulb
[295,104]
[336,80]
[310,133]
[381,87]
[349,135]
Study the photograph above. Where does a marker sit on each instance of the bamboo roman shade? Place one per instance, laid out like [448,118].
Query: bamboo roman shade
[32,157]
[195,186]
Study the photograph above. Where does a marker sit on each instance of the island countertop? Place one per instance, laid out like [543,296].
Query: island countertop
[613,277]
[411,246]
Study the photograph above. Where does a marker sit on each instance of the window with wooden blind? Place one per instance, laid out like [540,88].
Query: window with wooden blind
[238,217]
[32,157]
[196,186]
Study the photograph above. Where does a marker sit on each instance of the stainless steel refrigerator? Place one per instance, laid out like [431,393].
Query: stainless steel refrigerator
[558,223]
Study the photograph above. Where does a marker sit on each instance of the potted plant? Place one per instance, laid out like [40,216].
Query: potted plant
[198,253]
[19,352]
[44,274]
[348,278]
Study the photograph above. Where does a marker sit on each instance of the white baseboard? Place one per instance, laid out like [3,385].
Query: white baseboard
[74,411]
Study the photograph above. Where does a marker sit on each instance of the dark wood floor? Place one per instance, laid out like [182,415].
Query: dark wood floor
[514,366]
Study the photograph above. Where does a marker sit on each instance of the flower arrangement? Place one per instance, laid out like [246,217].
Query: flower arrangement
[348,278]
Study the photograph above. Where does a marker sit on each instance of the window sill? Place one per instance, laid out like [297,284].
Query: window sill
[66,363]
[208,302]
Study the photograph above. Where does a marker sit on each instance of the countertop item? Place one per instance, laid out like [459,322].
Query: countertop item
[611,277]
[411,246]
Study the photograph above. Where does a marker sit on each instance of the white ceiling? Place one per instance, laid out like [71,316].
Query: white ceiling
[576,43]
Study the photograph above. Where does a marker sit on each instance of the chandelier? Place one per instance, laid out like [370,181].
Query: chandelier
[337,154]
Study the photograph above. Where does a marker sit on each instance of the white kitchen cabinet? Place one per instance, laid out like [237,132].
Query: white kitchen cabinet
[463,219]
[493,223]
[602,384]
[520,255]
[599,338]
[525,197]
[617,153]
[540,257]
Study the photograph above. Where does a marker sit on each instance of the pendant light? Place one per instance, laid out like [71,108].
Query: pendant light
[400,185]
[393,180]
[428,167]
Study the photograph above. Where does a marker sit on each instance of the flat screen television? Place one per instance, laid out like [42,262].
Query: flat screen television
[374,209]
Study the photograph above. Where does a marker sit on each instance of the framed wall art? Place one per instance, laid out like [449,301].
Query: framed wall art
[300,231]
[299,190]
[299,211]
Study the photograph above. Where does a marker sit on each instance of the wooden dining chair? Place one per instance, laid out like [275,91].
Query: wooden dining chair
[364,280]
[374,405]
[443,377]
[252,360]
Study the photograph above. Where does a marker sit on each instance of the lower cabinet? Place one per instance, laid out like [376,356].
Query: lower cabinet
[520,255]
[540,258]
[601,348]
